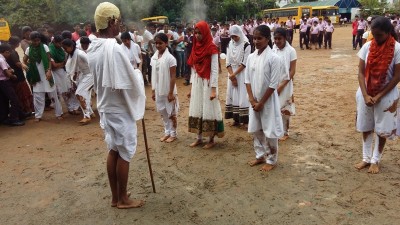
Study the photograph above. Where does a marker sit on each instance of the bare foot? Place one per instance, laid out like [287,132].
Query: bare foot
[37,119]
[209,145]
[171,139]
[267,167]
[361,165]
[256,161]
[115,202]
[196,143]
[164,138]
[374,168]
[284,138]
[60,118]
[130,203]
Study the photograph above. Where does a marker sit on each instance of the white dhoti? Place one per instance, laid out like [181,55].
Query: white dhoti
[64,89]
[120,133]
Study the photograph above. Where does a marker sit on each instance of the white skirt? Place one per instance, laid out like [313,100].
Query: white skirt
[205,116]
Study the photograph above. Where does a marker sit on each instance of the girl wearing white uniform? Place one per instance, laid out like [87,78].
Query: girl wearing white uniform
[205,116]
[262,76]
[237,103]
[40,77]
[78,69]
[285,89]
[61,79]
[164,92]
[131,49]
[377,96]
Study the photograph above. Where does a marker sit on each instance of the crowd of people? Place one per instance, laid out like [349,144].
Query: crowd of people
[105,58]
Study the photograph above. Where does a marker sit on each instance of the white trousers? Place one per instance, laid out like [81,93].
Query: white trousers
[266,147]
[169,129]
[369,155]
[39,103]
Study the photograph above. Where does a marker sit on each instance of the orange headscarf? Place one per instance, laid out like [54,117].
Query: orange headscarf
[200,58]
[379,59]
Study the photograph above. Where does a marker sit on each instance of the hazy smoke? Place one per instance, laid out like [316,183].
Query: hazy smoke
[195,10]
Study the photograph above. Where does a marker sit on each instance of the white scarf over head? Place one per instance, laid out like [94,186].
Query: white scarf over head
[160,80]
[236,49]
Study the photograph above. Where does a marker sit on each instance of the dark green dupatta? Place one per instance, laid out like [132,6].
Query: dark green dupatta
[36,55]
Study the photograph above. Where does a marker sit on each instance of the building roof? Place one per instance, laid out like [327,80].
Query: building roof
[339,3]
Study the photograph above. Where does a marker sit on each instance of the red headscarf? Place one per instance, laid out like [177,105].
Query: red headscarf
[200,58]
[379,59]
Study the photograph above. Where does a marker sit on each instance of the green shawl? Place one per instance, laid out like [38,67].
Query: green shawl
[57,53]
[36,55]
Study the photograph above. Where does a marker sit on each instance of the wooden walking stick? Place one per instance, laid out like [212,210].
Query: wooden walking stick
[148,155]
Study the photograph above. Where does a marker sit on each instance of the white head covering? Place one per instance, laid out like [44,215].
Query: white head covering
[236,49]
[105,12]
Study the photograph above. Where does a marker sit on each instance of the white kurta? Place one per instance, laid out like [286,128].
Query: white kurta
[160,82]
[237,101]
[380,117]
[133,54]
[43,85]
[205,116]
[262,72]
[288,54]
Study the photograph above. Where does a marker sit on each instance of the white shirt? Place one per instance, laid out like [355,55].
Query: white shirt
[362,25]
[329,28]
[287,54]
[147,36]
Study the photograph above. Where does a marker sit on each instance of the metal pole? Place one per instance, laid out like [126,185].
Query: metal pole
[148,156]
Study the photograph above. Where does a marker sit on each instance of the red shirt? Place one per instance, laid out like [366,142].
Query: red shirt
[355,26]
[75,36]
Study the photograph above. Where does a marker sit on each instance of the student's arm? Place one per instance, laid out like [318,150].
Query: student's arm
[214,76]
[361,80]
[392,84]
[292,71]
[48,71]
[243,64]
[25,59]
[172,73]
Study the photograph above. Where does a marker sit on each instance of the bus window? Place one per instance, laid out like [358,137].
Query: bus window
[332,12]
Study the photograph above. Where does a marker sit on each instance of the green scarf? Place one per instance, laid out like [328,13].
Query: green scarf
[36,55]
[57,53]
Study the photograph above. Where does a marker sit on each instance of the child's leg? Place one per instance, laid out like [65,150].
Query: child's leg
[166,121]
[260,148]
[272,157]
[367,139]
[39,102]
[377,154]
[57,106]
[285,119]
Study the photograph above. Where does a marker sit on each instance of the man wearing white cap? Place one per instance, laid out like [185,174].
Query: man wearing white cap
[120,101]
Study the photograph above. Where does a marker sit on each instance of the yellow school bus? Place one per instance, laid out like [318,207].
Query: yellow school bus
[5,33]
[156,19]
[332,12]
[282,13]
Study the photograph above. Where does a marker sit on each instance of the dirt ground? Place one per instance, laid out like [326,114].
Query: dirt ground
[54,172]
